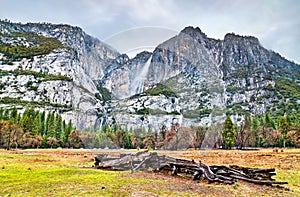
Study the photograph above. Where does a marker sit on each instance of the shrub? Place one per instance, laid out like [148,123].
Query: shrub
[143,111]
[161,89]
[104,94]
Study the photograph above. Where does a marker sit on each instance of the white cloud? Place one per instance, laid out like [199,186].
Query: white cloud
[150,10]
[132,41]
[275,22]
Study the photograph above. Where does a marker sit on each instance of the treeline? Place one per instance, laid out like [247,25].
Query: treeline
[254,131]
[262,131]
[174,138]
[35,129]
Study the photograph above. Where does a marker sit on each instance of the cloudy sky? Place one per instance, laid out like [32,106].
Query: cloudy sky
[131,24]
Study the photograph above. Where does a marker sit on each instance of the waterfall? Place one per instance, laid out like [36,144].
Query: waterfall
[101,123]
[137,85]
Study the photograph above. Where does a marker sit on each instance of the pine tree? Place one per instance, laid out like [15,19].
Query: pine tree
[260,140]
[115,127]
[228,133]
[255,127]
[1,113]
[68,131]
[44,141]
[47,122]
[63,126]
[27,120]
[6,115]
[62,138]
[58,126]
[63,130]
[269,122]
[268,127]
[284,127]
[127,140]
[106,128]
[35,127]
[41,122]
[51,125]
[14,114]
[255,124]
[19,119]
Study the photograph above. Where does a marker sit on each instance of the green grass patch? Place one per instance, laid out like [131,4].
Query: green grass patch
[292,176]
[38,175]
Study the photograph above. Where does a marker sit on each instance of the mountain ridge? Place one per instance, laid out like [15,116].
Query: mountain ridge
[190,78]
[217,68]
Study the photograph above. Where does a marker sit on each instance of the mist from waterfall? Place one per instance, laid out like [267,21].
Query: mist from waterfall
[137,85]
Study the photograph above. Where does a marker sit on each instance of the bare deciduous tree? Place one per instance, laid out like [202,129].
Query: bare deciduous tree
[10,134]
[179,137]
[199,133]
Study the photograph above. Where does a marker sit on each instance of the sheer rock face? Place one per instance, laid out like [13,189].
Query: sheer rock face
[190,78]
[209,77]
[124,77]
[83,59]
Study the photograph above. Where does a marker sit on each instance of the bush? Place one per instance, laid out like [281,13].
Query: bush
[191,114]
[161,89]
[104,94]
[143,111]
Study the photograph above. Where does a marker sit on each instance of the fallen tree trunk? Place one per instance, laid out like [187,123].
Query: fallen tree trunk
[214,173]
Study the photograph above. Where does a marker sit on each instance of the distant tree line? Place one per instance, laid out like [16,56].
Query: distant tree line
[174,138]
[35,129]
[253,131]
[262,131]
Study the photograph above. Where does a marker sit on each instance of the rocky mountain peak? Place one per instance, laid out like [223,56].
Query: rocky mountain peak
[193,32]
[243,50]
[194,35]
[234,38]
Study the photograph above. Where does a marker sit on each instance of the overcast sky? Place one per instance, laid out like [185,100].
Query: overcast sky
[276,23]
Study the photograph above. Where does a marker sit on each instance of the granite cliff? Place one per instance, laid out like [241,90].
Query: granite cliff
[190,78]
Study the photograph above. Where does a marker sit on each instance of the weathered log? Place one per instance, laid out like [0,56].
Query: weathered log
[261,182]
[176,166]
[227,170]
[197,175]
[212,177]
